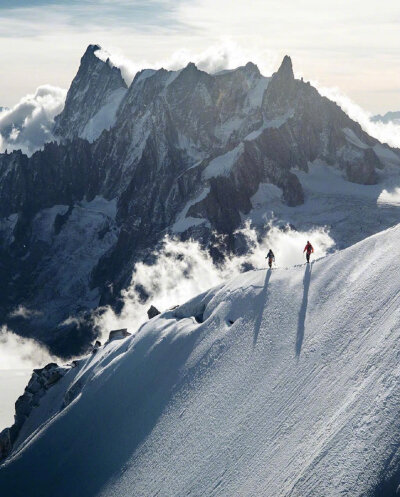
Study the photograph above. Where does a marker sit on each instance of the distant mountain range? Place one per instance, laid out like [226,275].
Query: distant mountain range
[180,152]
[389,117]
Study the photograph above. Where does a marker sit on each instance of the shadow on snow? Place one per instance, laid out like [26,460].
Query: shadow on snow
[303,310]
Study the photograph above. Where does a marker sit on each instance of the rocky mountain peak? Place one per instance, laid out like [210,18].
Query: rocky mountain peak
[91,49]
[191,67]
[96,84]
[252,68]
[281,90]
[285,70]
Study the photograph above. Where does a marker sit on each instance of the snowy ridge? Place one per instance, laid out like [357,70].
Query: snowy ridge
[282,383]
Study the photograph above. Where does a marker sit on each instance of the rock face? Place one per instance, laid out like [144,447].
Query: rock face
[153,312]
[180,152]
[96,85]
[118,334]
[41,380]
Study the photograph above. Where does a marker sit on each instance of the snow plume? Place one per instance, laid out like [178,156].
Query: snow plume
[184,269]
[21,353]
[116,59]
[28,125]
[384,132]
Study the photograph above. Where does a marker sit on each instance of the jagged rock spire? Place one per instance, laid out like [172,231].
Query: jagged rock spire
[93,84]
[280,89]
[286,69]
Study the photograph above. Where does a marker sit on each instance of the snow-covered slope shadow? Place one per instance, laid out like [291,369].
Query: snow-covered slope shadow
[303,309]
[300,398]
[260,303]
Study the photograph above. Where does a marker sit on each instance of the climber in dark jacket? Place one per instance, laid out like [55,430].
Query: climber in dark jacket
[270,257]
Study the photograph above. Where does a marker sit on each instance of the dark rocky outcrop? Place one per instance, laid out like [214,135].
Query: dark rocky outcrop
[153,312]
[118,334]
[41,380]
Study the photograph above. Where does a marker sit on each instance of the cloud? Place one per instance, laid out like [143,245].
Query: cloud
[25,313]
[223,55]
[226,54]
[385,132]
[128,67]
[21,353]
[183,270]
[28,125]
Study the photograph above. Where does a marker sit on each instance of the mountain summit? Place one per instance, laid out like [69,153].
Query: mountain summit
[97,85]
[285,70]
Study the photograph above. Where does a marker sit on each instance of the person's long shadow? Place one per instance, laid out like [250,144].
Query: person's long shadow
[303,310]
[259,305]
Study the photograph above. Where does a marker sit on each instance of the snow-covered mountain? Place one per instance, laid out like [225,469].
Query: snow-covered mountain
[389,117]
[181,152]
[278,383]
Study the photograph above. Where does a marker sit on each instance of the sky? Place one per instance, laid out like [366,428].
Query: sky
[352,46]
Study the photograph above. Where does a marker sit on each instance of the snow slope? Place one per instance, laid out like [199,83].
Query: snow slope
[285,384]
[105,117]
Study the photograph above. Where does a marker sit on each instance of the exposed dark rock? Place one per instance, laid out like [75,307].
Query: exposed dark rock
[153,312]
[96,346]
[93,84]
[118,334]
[41,380]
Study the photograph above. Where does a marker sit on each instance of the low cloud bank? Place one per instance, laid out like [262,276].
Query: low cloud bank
[28,125]
[21,353]
[183,270]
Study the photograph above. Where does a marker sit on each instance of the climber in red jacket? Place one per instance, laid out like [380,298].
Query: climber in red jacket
[308,249]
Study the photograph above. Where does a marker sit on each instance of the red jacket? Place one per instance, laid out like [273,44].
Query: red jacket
[309,248]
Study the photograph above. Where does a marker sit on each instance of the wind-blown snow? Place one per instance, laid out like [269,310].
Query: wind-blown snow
[287,386]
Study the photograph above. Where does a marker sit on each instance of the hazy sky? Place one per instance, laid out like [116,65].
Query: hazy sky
[351,44]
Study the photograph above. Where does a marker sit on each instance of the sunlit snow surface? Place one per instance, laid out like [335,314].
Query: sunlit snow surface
[289,386]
